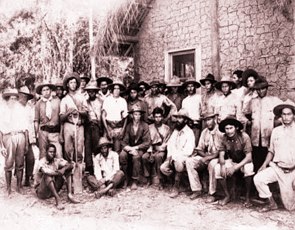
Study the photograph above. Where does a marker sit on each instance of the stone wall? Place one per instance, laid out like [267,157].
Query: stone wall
[252,34]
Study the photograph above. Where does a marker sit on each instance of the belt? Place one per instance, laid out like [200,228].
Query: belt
[50,128]
[286,170]
[13,133]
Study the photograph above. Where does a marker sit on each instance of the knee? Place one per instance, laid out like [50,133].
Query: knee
[179,166]
[145,157]
[249,170]
[123,157]
[257,179]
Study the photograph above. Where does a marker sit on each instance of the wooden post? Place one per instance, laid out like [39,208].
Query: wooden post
[215,44]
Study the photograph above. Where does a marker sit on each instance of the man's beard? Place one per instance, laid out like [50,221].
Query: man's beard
[179,126]
[92,98]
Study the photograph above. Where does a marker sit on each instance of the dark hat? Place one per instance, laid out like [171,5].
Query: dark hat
[225,79]
[69,76]
[210,77]
[248,73]
[92,85]
[25,90]
[133,86]
[104,141]
[87,78]
[10,92]
[279,108]
[208,115]
[230,121]
[136,108]
[162,83]
[146,85]
[181,113]
[40,87]
[261,84]
[119,83]
[107,79]
[191,81]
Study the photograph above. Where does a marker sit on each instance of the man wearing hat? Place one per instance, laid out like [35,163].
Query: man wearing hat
[279,164]
[24,97]
[83,82]
[114,114]
[262,122]
[103,84]
[228,104]
[180,146]
[192,104]
[59,90]
[156,153]
[93,125]
[156,99]
[135,143]
[143,87]
[173,91]
[211,95]
[46,120]
[107,169]
[73,112]
[133,99]
[235,154]
[206,157]
[14,137]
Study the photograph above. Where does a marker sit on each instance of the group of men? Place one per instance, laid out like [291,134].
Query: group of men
[150,133]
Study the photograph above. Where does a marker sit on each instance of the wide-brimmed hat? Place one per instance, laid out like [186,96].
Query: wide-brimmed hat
[225,79]
[9,92]
[40,87]
[230,121]
[59,83]
[181,113]
[208,115]
[104,141]
[69,76]
[87,78]
[210,77]
[119,83]
[146,85]
[162,83]
[92,85]
[279,108]
[103,78]
[248,73]
[174,82]
[261,84]
[133,86]
[191,81]
[25,90]
[136,108]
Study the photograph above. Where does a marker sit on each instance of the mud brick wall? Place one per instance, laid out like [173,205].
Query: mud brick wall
[252,34]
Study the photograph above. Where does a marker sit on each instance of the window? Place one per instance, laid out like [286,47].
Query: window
[183,64]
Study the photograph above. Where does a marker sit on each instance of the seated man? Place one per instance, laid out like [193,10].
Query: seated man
[206,158]
[235,153]
[281,161]
[135,143]
[107,168]
[52,173]
[156,154]
[179,147]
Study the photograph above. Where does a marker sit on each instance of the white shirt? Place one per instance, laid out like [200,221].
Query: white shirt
[192,104]
[115,108]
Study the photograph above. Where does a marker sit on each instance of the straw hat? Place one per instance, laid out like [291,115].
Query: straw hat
[70,76]
[9,92]
[279,108]
[175,82]
[225,79]
[40,87]
[136,108]
[119,83]
[181,113]
[92,85]
[104,141]
[191,81]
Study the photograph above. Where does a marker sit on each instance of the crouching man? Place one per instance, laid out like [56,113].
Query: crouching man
[235,154]
[106,167]
[52,173]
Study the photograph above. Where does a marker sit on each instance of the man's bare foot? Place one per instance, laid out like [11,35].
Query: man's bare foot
[225,201]
[59,206]
[19,190]
[72,199]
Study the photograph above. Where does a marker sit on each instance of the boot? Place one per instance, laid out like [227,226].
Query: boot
[8,175]
[19,178]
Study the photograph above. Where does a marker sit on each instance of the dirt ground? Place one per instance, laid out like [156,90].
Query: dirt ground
[146,208]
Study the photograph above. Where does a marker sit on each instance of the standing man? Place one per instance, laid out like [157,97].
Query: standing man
[52,173]
[46,122]
[173,88]
[155,99]
[206,158]
[114,114]
[93,125]
[180,146]
[84,81]
[143,88]
[103,84]
[14,139]
[261,110]
[73,112]
[156,154]
[279,164]
[59,90]
[235,154]
[192,104]
[240,89]
[135,143]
